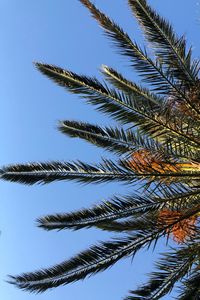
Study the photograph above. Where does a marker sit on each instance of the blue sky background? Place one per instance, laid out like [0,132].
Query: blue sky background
[62,33]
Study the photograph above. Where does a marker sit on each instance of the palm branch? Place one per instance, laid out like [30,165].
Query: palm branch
[157,143]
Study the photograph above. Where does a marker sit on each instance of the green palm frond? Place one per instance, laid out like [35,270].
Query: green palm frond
[130,225]
[106,171]
[191,287]
[180,149]
[119,207]
[53,171]
[118,140]
[116,104]
[151,71]
[171,268]
[130,88]
[138,220]
[123,107]
[169,48]
[113,139]
[96,259]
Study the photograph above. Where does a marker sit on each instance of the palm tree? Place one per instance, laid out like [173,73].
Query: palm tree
[157,144]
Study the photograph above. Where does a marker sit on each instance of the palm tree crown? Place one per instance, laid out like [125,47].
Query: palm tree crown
[157,144]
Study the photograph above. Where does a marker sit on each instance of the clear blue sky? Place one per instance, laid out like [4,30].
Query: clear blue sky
[62,33]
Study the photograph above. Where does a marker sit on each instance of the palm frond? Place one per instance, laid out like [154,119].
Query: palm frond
[130,225]
[118,105]
[113,139]
[123,107]
[118,140]
[106,171]
[172,267]
[178,226]
[119,207]
[191,286]
[168,46]
[130,87]
[96,259]
[82,172]
[170,49]
[180,149]
[91,261]
[114,208]
[152,72]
